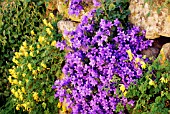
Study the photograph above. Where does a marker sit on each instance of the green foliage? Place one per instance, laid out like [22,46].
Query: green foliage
[152,91]
[38,64]
[17,19]
[114,9]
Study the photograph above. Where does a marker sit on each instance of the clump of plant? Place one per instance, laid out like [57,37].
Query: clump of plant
[152,92]
[37,65]
[17,19]
[102,62]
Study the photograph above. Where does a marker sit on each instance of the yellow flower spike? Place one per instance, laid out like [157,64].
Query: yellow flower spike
[163,80]
[32,32]
[45,22]
[122,87]
[31,54]
[59,105]
[53,43]
[52,15]
[48,31]
[31,48]
[43,65]
[29,66]
[10,79]
[18,107]
[23,90]
[49,24]
[130,54]
[41,39]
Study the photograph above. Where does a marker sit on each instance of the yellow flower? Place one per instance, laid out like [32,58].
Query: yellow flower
[15,76]
[18,107]
[15,82]
[23,74]
[151,82]
[38,46]
[59,105]
[26,80]
[130,54]
[15,61]
[35,96]
[163,80]
[49,24]
[64,108]
[122,87]
[37,51]
[43,65]
[10,79]
[16,94]
[21,97]
[53,43]
[12,90]
[32,32]
[20,83]
[22,49]
[26,54]
[143,64]
[52,15]
[48,31]
[31,54]
[31,48]
[41,39]
[45,22]
[34,72]
[17,55]
[125,93]
[29,66]
[23,90]
[25,44]
[38,69]
[137,60]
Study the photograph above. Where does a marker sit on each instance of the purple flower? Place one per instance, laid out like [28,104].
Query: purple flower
[116,22]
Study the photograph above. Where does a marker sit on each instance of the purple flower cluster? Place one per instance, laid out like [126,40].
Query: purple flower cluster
[77,5]
[97,64]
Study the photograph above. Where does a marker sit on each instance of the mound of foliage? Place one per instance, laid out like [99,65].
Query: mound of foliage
[17,19]
[37,65]
[152,91]
[103,60]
